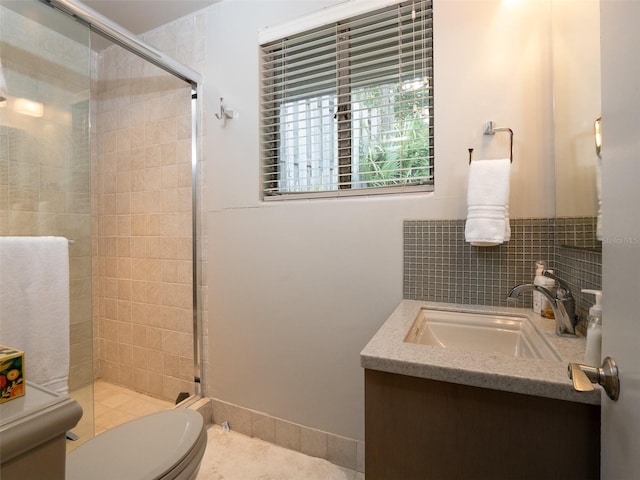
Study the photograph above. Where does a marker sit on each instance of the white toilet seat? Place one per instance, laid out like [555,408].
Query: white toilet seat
[163,446]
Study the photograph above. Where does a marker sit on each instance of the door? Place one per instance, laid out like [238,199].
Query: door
[620,35]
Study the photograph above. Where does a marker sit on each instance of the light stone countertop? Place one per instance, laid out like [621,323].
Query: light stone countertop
[388,352]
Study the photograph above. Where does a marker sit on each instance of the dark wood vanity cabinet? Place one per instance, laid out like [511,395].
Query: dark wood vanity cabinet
[420,429]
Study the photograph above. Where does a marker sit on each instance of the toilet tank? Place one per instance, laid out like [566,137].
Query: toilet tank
[33,434]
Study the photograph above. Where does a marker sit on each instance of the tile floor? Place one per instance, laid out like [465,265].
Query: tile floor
[229,455]
[111,406]
[114,405]
[233,456]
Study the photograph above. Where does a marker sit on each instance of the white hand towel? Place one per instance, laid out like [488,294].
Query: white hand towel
[488,203]
[34,306]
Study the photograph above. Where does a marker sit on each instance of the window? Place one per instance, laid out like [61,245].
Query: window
[347,107]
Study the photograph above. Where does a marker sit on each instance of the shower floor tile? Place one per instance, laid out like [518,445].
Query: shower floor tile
[105,405]
[115,405]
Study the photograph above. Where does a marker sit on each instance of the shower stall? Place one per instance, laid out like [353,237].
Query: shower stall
[103,149]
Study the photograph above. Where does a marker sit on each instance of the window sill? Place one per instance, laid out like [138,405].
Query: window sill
[365,192]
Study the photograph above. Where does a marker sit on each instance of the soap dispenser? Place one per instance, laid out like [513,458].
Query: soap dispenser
[550,285]
[539,279]
[592,354]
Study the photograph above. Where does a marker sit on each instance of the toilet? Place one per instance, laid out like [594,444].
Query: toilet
[168,445]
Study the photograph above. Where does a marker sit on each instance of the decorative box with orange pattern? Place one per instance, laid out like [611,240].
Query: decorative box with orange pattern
[11,373]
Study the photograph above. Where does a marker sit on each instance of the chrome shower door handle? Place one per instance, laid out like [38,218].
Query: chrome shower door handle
[584,376]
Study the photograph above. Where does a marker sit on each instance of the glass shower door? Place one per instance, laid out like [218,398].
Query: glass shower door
[45,159]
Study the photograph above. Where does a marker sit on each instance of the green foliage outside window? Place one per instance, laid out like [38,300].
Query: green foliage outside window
[397,149]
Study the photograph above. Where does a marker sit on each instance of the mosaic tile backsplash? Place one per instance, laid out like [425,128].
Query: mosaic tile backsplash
[440,266]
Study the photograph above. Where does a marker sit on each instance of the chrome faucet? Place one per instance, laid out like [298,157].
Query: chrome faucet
[562,303]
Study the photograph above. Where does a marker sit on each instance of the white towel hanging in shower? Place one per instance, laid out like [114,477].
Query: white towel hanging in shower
[34,306]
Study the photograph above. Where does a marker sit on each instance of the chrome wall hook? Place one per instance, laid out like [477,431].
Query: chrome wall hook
[224,113]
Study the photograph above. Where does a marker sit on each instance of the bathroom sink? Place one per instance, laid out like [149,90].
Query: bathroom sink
[511,335]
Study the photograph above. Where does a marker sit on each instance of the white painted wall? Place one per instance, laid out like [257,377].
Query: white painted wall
[296,289]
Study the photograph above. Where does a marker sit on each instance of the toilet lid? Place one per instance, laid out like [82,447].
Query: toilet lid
[145,448]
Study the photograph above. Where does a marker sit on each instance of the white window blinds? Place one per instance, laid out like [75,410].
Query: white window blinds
[348,107]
